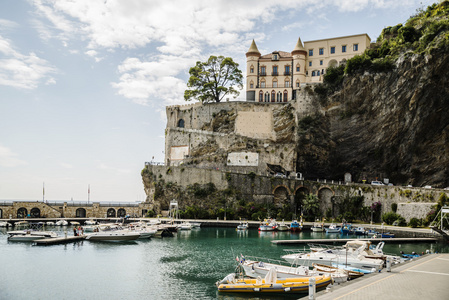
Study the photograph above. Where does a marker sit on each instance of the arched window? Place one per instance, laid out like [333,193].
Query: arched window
[181,123]
[22,213]
[121,213]
[298,68]
[287,83]
[298,83]
[35,212]
[110,213]
[313,73]
[251,85]
[279,97]
[273,96]
[80,213]
[251,69]
[318,73]
[285,96]
[267,97]
[260,96]
[275,83]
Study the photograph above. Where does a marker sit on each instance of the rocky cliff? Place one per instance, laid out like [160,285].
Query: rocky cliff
[389,122]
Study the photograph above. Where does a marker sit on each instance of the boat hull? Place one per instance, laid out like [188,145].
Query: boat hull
[113,237]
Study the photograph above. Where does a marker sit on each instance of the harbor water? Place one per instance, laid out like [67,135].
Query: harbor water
[185,266]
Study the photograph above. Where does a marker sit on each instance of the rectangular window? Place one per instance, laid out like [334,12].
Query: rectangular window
[262,84]
[343,48]
[287,84]
[311,52]
[275,71]
[332,50]
[297,69]
[262,71]
[321,62]
[321,51]
[251,85]
[251,70]
[313,73]
[297,84]
[275,84]
[310,63]
[356,47]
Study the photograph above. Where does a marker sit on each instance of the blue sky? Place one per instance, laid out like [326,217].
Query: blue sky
[84,84]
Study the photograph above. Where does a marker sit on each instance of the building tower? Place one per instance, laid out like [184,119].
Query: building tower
[252,71]
[299,66]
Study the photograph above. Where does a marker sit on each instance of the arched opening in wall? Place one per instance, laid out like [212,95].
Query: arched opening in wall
[285,96]
[281,202]
[181,123]
[22,212]
[279,97]
[300,195]
[267,97]
[80,213]
[325,196]
[298,83]
[35,212]
[343,61]
[332,63]
[111,213]
[121,213]
[260,96]
[1,213]
[273,96]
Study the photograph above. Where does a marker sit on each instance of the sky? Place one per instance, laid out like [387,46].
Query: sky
[84,84]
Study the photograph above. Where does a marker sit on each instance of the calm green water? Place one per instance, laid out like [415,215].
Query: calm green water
[183,267]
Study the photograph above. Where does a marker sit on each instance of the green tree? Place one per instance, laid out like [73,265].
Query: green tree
[210,81]
[311,207]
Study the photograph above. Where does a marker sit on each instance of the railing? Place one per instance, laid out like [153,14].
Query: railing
[287,73]
[274,73]
[263,74]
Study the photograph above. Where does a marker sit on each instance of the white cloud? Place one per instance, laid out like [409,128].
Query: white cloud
[22,71]
[9,158]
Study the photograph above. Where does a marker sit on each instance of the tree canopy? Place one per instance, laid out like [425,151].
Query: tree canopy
[210,81]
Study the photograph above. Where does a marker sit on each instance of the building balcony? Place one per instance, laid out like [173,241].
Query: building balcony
[287,73]
[274,74]
[263,74]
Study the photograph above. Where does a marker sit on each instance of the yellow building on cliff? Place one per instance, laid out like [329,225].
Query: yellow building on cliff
[275,77]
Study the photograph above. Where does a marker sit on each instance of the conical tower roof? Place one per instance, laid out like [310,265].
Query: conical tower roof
[253,51]
[299,48]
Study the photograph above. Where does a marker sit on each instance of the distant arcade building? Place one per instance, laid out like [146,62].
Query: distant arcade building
[275,77]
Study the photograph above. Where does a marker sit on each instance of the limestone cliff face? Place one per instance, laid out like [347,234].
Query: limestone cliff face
[388,125]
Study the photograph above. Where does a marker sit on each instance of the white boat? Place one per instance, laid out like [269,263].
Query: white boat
[90,222]
[360,231]
[30,235]
[5,224]
[195,224]
[242,226]
[112,233]
[22,224]
[185,226]
[333,229]
[317,226]
[333,259]
[282,226]
[50,223]
[74,223]
[258,267]
[268,225]
[61,223]
[146,232]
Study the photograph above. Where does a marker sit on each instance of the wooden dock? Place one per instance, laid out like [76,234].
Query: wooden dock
[332,241]
[60,240]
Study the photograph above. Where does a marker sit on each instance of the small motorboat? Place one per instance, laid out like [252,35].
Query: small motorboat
[317,226]
[195,224]
[242,226]
[330,269]
[333,229]
[270,284]
[185,226]
[5,224]
[30,235]
[75,223]
[90,222]
[50,223]
[112,233]
[61,223]
[268,225]
[360,231]
[346,228]
[282,226]
[295,226]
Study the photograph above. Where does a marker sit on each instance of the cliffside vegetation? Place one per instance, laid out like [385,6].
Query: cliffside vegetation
[386,110]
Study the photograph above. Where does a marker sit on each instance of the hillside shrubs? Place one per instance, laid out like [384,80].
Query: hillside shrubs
[390,217]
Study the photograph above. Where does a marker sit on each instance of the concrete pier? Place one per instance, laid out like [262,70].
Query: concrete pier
[423,278]
[332,241]
[60,240]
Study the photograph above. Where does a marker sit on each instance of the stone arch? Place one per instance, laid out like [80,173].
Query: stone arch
[325,195]
[111,213]
[1,213]
[81,213]
[300,194]
[22,212]
[281,195]
[332,63]
[121,212]
[181,123]
[35,212]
